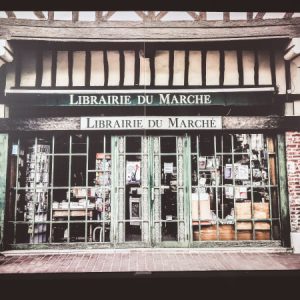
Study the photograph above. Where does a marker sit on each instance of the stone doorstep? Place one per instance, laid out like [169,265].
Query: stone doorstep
[148,250]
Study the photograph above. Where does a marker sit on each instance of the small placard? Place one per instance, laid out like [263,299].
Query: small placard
[168,168]
[14,150]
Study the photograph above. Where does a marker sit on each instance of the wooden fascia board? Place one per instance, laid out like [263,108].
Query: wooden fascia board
[145,34]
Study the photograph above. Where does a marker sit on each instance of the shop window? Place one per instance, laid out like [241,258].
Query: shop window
[60,189]
[133,197]
[234,187]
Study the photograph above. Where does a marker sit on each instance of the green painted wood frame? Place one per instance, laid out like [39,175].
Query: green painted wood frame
[3,174]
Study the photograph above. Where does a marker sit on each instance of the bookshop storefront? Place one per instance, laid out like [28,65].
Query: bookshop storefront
[184,166]
[168,187]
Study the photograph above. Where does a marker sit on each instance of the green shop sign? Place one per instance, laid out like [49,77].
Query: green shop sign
[140,99]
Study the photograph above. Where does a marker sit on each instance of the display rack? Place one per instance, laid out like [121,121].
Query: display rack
[36,195]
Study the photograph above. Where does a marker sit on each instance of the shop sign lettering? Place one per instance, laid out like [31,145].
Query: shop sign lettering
[150,123]
[164,99]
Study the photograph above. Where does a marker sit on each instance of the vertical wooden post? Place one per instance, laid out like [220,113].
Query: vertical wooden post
[283,191]
[3,171]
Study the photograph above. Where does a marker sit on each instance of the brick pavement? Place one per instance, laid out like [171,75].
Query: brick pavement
[148,260]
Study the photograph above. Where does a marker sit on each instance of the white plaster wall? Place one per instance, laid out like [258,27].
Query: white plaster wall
[144,71]
[10,75]
[62,76]
[280,72]
[113,58]
[212,68]
[179,64]
[97,68]
[28,68]
[231,74]
[297,108]
[248,66]
[79,68]
[289,109]
[195,68]
[161,63]
[2,111]
[295,75]
[264,69]
[47,65]
[129,68]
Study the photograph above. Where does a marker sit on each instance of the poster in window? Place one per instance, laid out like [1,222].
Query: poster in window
[134,211]
[133,172]
[242,172]
[228,171]
[210,162]
[202,162]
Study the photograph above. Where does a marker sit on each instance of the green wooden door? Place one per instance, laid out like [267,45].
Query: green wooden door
[151,183]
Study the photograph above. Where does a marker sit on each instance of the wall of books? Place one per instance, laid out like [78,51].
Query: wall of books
[234,188]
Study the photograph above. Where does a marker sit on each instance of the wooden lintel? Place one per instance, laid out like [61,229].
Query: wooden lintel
[136,32]
[232,123]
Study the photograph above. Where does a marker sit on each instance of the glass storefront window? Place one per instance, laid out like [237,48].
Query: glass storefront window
[61,189]
[94,188]
[234,187]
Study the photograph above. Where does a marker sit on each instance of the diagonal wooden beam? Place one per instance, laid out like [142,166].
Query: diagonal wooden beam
[39,14]
[260,15]
[108,15]
[161,15]
[288,15]
[142,15]
[75,16]
[226,16]
[249,16]
[193,15]
[10,14]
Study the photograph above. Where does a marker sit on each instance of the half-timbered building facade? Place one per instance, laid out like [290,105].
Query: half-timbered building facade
[149,129]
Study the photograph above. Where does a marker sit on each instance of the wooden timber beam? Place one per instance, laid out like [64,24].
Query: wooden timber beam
[39,14]
[202,15]
[75,16]
[10,14]
[288,15]
[99,16]
[51,16]
[193,14]
[152,31]
[259,15]
[226,16]
[160,15]
[142,15]
[228,123]
[249,16]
